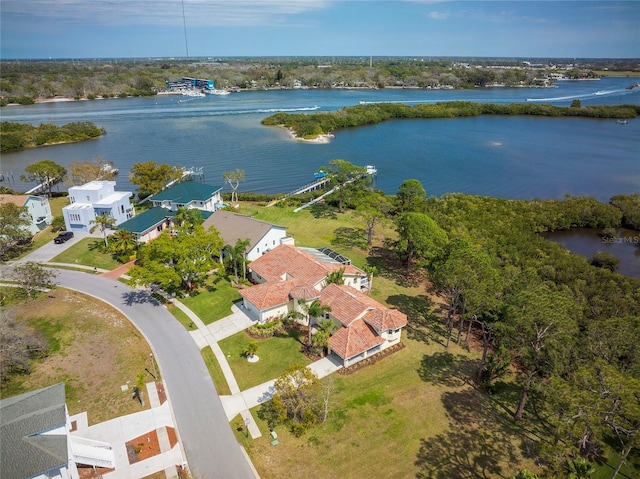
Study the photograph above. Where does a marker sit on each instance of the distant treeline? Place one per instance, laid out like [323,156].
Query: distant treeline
[312,125]
[19,136]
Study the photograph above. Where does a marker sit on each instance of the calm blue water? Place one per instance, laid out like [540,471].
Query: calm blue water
[509,157]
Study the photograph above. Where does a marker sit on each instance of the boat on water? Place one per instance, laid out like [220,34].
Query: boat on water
[623,122]
[109,170]
[217,92]
[193,93]
[371,170]
[318,175]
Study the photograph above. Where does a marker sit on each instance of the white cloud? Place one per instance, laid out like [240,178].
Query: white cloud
[162,12]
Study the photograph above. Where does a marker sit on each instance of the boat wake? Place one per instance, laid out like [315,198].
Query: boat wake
[585,96]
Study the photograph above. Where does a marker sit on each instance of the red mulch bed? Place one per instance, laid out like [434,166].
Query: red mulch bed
[146,446]
[162,395]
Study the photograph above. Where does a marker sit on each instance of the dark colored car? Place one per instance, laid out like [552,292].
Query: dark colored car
[64,236]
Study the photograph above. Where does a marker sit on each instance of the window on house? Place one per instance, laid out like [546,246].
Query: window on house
[121,208]
[88,199]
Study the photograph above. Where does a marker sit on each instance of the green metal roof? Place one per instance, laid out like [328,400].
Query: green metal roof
[146,220]
[149,219]
[186,192]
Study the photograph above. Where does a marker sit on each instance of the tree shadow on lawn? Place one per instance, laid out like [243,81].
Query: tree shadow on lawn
[423,325]
[322,210]
[447,369]
[476,446]
[350,237]
[390,267]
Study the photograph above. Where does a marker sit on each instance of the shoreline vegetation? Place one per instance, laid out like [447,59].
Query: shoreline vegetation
[318,127]
[16,136]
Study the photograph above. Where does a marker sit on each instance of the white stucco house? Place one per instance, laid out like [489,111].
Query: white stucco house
[37,206]
[287,275]
[95,199]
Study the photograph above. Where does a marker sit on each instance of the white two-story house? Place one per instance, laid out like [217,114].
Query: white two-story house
[95,199]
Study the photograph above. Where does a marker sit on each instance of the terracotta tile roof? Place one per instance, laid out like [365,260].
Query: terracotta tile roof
[385,319]
[351,341]
[287,261]
[305,292]
[270,294]
[344,302]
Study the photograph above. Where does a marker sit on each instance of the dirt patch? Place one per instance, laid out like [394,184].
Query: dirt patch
[94,350]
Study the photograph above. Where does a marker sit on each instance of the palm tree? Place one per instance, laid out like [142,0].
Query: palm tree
[320,340]
[370,270]
[237,257]
[312,310]
[103,221]
[123,241]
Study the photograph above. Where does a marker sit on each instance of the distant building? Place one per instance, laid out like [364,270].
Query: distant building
[95,199]
[38,207]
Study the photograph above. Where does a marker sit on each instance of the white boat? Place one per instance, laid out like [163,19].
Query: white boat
[193,93]
[371,170]
[217,92]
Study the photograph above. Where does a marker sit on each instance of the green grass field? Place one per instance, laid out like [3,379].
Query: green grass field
[85,253]
[276,355]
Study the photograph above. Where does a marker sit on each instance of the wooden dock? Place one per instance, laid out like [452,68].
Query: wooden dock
[315,185]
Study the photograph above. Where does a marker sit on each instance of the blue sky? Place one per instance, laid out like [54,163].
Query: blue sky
[218,28]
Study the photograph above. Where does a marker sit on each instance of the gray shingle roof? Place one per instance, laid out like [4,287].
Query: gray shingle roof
[24,451]
[233,227]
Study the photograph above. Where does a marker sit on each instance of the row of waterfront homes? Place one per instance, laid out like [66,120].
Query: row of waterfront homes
[284,276]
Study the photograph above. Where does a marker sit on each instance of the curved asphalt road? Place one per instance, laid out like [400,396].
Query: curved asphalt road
[209,444]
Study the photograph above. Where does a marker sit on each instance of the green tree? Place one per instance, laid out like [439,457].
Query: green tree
[235,257]
[420,238]
[123,241]
[411,196]
[152,177]
[102,222]
[32,276]
[188,218]
[234,178]
[14,226]
[311,311]
[46,173]
[178,262]
[335,277]
[81,172]
[296,396]
[342,174]
[373,208]
[604,259]
[540,330]
[370,271]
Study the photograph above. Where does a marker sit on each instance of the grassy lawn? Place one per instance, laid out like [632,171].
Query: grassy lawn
[276,355]
[215,371]
[83,253]
[214,302]
[410,413]
[182,317]
[94,350]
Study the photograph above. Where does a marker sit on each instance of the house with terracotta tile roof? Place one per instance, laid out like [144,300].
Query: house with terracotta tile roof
[287,275]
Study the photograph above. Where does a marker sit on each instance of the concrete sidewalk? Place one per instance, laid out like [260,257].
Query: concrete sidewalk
[240,402]
[125,428]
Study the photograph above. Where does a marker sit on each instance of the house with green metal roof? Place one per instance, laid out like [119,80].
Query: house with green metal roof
[150,224]
[189,194]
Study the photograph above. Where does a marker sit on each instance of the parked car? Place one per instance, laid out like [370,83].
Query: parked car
[64,236]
